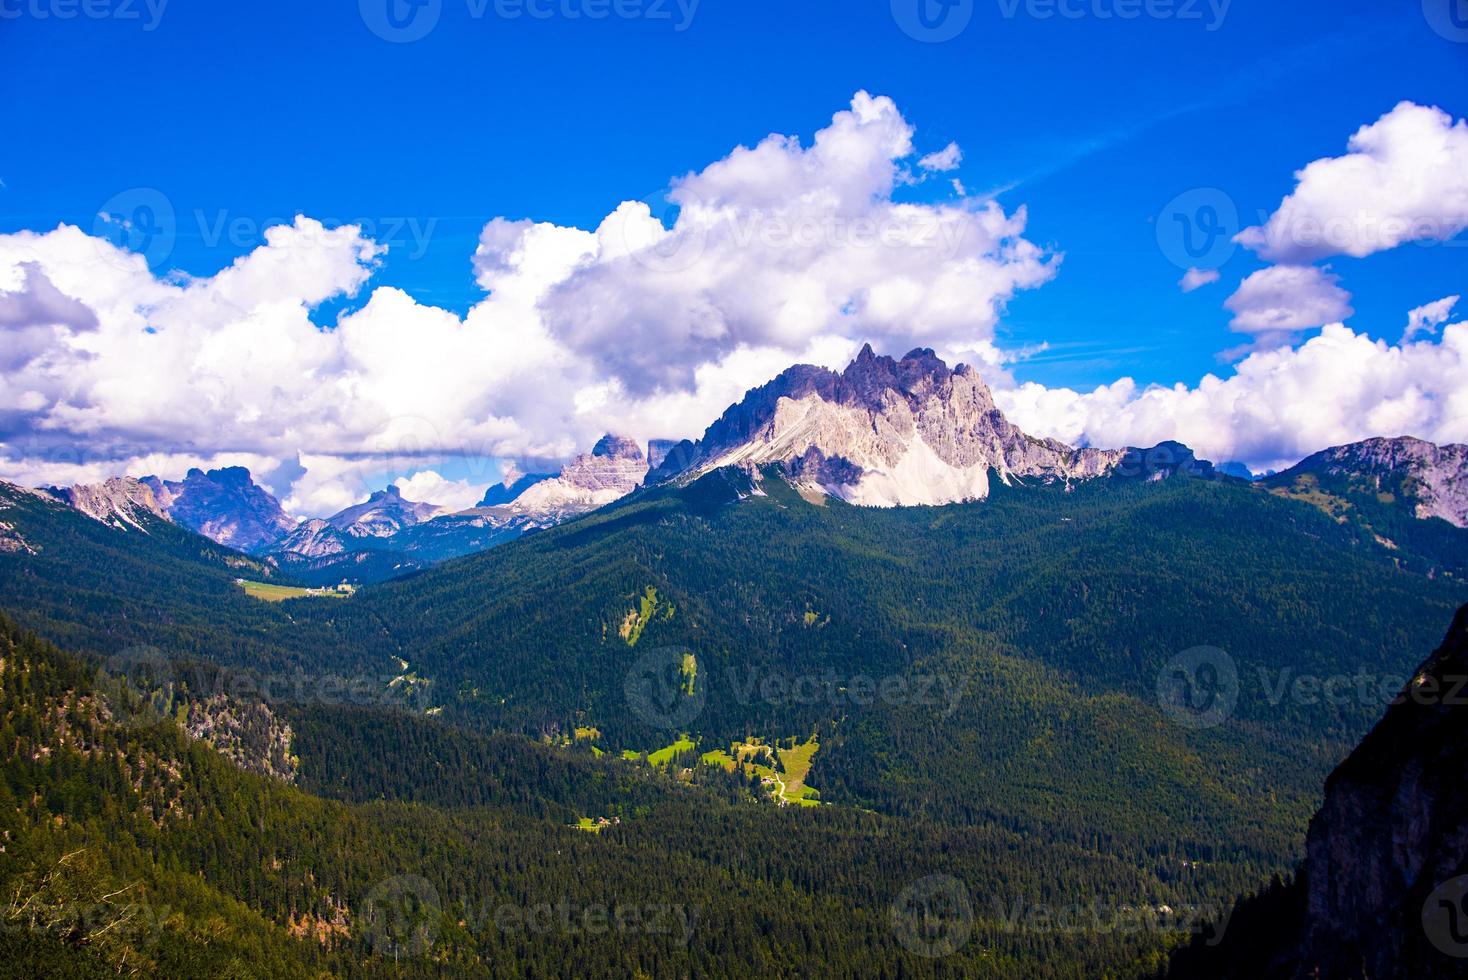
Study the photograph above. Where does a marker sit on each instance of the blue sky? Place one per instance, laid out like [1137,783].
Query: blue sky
[256,111]
[243,115]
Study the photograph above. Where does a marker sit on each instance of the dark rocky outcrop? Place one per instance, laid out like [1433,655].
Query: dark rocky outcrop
[1383,893]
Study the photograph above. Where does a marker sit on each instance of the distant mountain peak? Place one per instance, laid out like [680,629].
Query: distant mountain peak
[658,450]
[614,468]
[617,447]
[225,505]
[384,513]
[121,501]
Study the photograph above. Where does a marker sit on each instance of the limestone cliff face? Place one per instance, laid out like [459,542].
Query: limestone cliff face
[120,501]
[614,468]
[225,505]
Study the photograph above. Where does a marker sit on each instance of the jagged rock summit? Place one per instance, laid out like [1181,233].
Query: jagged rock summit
[121,501]
[225,505]
[614,468]
[884,433]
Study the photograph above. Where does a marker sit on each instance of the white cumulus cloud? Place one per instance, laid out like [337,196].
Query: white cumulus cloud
[1277,406]
[944,160]
[780,252]
[1404,178]
[1277,303]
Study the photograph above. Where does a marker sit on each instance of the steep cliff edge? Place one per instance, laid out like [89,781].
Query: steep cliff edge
[1383,893]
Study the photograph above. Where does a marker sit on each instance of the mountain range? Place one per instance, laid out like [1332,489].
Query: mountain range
[884,432]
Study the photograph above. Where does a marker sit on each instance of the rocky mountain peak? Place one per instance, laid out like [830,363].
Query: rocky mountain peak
[231,474]
[918,372]
[617,447]
[383,514]
[121,501]
[614,468]
[225,505]
[884,432]
[658,450]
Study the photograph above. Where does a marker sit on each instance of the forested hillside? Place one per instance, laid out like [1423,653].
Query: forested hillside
[131,850]
[978,692]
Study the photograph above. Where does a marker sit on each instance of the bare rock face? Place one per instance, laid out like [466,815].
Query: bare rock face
[1383,892]
[1433,479]
[658,450]
[614,468]
[384,514]
[248,734]
[1389,847]
[884,433]
[313,539]
[11,540]
[225,505]
[121,502]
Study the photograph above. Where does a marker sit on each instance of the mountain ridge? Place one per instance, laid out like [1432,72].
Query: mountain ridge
[883,432]
[1434,478]
[889,432]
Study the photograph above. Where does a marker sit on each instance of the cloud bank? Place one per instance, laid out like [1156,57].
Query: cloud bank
[650,324]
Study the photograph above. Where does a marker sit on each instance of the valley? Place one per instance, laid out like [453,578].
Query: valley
[280,593]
